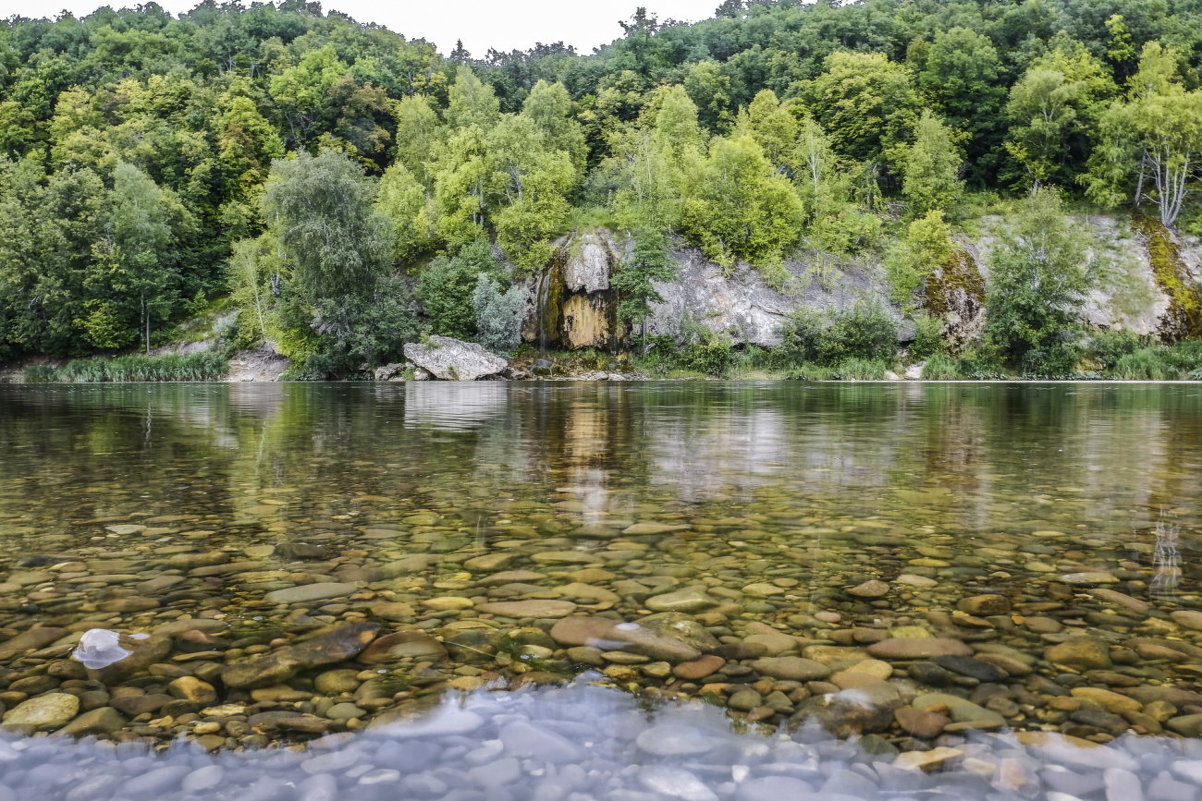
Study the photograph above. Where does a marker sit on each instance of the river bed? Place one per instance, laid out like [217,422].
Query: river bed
[927,569]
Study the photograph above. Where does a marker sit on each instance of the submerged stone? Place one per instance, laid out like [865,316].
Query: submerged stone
[43,713]
[307,593]
[918,648]
[1080,653]
[326,647]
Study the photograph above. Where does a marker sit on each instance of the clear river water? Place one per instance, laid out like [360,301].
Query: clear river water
[636,592]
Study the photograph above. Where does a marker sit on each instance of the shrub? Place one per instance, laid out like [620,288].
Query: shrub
[750,358]
[1185,356]
[925,246]
[207,366]
[1058,360]
[1039,282]
[801,339]
[704,350]
[358,333]
[498,315]
[856,369]
[928,337]
[811,372]
[38,374]
[941,367]
[866,331]
[1145,364]
[980,364]
[447,282]
[1107,347]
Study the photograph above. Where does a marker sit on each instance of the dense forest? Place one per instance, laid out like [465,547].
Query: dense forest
[348,189]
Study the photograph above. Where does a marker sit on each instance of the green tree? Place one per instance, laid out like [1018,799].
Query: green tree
[1150,146]
[549,107]
[136,268]
[320,211]
[461,174]
[709,88]
[401,198]
[833,223]
[498,315]
[1054,109]
[649,262]
[931,168]
[963,77]
[472,102]
[677,130]
[530,183]
[303,91]
[775,129]
[741,209]
[246,145]
[418,132]
[866,103]
[1038,282]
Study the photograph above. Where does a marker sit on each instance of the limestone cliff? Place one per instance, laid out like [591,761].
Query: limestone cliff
[1144,280]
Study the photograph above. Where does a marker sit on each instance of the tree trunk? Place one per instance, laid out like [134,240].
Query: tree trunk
[146,321]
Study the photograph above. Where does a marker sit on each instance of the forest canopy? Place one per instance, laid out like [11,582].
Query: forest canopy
[338,180]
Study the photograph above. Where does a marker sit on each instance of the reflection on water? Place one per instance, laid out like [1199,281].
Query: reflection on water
[1166,559]
[583,743]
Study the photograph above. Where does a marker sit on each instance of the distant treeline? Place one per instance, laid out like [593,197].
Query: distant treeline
[350,188]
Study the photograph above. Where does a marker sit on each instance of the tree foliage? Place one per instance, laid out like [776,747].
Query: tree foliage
[741,209]
[146,157]
[1039,282]
[930,168]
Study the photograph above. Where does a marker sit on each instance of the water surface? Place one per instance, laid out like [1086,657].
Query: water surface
[780,547]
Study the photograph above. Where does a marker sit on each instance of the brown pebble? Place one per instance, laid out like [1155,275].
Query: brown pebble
[921,723]
[699,668]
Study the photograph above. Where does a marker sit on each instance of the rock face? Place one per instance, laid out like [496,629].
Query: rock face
[452,360]
[745,307]
[571,304]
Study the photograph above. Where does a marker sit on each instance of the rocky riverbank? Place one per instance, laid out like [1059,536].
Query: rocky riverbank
[247,645]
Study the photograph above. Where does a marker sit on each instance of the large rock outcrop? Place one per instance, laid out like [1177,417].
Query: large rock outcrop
[743,305]
[453,360]
[571,305]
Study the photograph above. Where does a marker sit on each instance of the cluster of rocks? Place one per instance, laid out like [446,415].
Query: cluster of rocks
[250,644]
[447,359]
[585,743]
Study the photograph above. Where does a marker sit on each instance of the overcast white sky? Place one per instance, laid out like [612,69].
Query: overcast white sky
[503,24]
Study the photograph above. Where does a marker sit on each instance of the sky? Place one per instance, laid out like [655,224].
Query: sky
[502,24]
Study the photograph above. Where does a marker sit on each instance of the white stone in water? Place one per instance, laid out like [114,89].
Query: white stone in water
[99,648]
[1123,785]
[675,782]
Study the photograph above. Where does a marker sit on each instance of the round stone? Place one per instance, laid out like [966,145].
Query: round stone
[528,609]
[43,713]
[874,588]
[306,593]
[985,605]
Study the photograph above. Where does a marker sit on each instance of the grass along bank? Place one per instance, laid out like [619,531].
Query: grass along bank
[207,366]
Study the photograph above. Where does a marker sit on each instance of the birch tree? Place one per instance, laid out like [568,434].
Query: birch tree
[1150,146]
